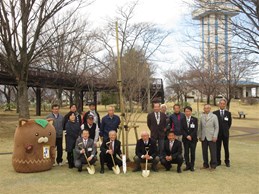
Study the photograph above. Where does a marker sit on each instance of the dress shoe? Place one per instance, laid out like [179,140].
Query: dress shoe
[227,164]
[179,170]
[204,168]
[79,169]
[212,169]
[219,163]
[136,169]
[102,171]
[192,169]
[154,169]
[167,169]
[187,168]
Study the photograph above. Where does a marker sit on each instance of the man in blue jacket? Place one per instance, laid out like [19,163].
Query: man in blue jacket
[175,123]
[110,122]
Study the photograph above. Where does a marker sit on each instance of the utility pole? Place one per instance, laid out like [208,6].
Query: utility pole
[119,82]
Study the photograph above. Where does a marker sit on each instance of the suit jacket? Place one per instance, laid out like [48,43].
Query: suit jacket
[176,149]
[225,123]
[157,130]
[191,130]
[90,149]
[141,148]
[116,149]
[209,127]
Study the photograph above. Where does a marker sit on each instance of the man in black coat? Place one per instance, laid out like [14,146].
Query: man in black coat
[146,149]
[172,152]
[156,122]
[110,146]
[189,128]
[225,121]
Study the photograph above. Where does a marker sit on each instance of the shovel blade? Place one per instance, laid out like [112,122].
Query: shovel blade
[91,169]
[145,173]
[116,169]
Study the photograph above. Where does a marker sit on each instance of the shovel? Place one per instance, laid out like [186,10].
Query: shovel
[146,172]
[115,168]
[90,168]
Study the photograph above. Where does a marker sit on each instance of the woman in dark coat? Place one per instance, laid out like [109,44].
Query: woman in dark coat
[72,132]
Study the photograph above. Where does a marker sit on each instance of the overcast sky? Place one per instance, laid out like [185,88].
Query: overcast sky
[169,14]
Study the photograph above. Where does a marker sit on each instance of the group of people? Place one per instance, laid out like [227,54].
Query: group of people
[82,134]
[182,132]
[172,139]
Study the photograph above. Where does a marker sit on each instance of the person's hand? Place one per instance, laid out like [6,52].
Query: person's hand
[168,158]
[110,152]
[89,158]
[214,139]
[82,151]
[147,157]
[164,129]
[189,137]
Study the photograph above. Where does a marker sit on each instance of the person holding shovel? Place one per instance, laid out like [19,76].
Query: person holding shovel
[146,149]
[110,149]
[84,150]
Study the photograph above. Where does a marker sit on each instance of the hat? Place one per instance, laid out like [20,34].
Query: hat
[90,116]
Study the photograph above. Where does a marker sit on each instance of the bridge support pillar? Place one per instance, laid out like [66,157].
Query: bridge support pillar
[38,101]
[81,103]
[95,100]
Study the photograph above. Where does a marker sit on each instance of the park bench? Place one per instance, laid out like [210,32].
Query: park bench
[241,113]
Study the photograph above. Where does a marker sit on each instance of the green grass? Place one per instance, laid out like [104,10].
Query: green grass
[241,177]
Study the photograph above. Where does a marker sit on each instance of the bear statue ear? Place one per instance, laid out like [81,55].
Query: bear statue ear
[50,121]
[22,122]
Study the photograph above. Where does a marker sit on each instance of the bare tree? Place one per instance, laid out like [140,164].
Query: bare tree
[21,27]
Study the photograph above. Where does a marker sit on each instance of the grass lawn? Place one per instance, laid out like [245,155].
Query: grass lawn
[241,177]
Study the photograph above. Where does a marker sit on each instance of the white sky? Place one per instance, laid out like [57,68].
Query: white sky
[169,14]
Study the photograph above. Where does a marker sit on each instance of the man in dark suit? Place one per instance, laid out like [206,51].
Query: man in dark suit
[84,144]
[189,127]
[110,146]
[172,153]
[143,145]
[156,122]
[225,121]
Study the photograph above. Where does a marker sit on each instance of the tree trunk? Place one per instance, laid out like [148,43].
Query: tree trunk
[71,97]
[22,101]
[208,99]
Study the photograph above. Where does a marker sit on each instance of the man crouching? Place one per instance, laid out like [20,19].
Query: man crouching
[84,148]
[110,146]
[146,149]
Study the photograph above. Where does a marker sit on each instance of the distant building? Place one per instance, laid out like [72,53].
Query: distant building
[216,33]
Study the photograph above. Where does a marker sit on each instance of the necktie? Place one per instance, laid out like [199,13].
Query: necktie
[85,143]
[171,145]
[111,146]
[222,113]
[188,122]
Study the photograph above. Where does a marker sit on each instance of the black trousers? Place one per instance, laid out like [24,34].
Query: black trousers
[225,141]
[59,149]
[168,164]
[106,158]
[138,160]
[213,153]
[70,159]
[189,153]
